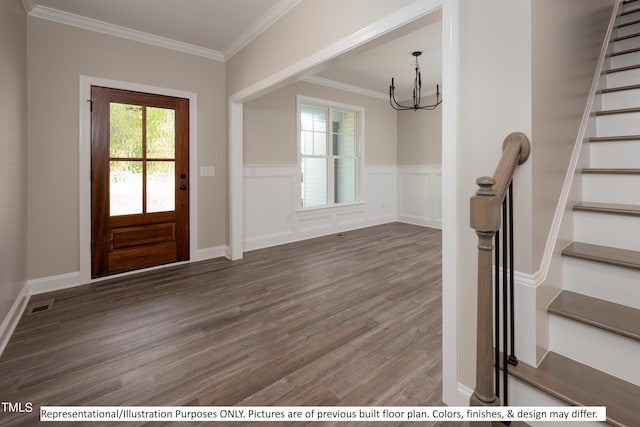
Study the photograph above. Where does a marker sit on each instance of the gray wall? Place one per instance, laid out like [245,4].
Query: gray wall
[566,40]
[57,56]
[420,136]
[270,125]
[13,157]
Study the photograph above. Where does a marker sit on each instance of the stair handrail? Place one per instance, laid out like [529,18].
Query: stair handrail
[486,220]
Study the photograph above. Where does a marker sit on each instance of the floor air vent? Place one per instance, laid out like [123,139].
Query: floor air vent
[40,306]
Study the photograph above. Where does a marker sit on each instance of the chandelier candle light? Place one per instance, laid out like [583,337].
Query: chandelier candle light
[417,85]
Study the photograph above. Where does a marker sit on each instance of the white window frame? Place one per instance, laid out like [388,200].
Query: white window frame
[305,101]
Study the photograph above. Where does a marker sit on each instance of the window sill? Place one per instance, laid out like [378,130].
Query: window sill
[346,207]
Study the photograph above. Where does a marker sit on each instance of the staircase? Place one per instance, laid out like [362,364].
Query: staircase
[594,335]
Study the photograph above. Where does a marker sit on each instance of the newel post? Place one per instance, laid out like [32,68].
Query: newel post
[486,226]
[486,219]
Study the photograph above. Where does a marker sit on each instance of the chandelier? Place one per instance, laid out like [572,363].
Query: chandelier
[417,85]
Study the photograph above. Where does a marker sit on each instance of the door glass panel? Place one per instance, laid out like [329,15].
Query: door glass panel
[125,191]
[125,137]
[161,184]
[161,134]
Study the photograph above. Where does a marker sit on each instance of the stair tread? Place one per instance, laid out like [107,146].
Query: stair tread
[628,24]
[604,254]
[614,138]
[618,111]
[581,385]
[614,208]
[628,36]
[629,12]
[619,88]
[626,51]
[614,171]
[616,318]
[621,69]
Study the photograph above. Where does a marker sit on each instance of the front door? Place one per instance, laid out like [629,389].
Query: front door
[139,180]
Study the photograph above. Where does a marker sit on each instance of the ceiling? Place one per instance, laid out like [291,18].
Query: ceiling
[210,24]
[372,65]
[224,26]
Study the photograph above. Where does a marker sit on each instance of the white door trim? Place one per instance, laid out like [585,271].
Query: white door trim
[84,166]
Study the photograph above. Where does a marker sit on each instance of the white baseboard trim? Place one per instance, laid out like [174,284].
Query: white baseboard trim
[53,283]
[291,237]
[70,280]
[211,253]
[13,317]
[463,396]
[424,222]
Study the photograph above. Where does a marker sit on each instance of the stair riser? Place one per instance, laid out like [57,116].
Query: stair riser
[622,99]
[618,231]
[611,188]
[587,277]
[615,154]
[626,44]
[625,60]
[607,352]
[623,78]
[628,30]
[618,124]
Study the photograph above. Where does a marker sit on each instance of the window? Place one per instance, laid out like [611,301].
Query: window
[329,151]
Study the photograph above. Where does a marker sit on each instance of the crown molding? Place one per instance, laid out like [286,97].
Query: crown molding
[28,5]
[345,87]
[278,10]
[123,32]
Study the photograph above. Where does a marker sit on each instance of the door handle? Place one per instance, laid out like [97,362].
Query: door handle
[183,187]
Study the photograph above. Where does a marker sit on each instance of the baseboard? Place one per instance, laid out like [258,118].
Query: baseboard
[13,317]
[424,222]
[54,283]
[70,280]
[211,253]
[286,237]
[463,396]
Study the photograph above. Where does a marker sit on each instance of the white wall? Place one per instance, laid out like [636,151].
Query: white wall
[272,216]
[495,100]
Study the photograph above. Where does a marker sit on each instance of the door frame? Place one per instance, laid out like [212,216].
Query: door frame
[84,167]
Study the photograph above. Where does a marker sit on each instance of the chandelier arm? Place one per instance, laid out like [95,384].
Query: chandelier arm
[394,103]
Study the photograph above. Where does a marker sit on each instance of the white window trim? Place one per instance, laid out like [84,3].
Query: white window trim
[301,101]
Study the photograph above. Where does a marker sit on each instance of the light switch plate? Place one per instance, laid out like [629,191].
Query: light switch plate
[207,171]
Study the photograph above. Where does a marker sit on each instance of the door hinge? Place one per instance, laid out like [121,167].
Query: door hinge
[90,101]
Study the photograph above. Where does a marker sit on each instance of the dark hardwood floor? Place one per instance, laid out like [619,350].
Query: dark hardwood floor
[348,319]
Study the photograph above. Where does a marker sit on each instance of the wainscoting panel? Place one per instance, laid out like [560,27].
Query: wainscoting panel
[272,216]
[420,195]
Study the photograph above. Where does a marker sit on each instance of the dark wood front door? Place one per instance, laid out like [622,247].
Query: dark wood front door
[139,180]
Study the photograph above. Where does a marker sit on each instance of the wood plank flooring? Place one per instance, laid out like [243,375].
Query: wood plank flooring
[348,319]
